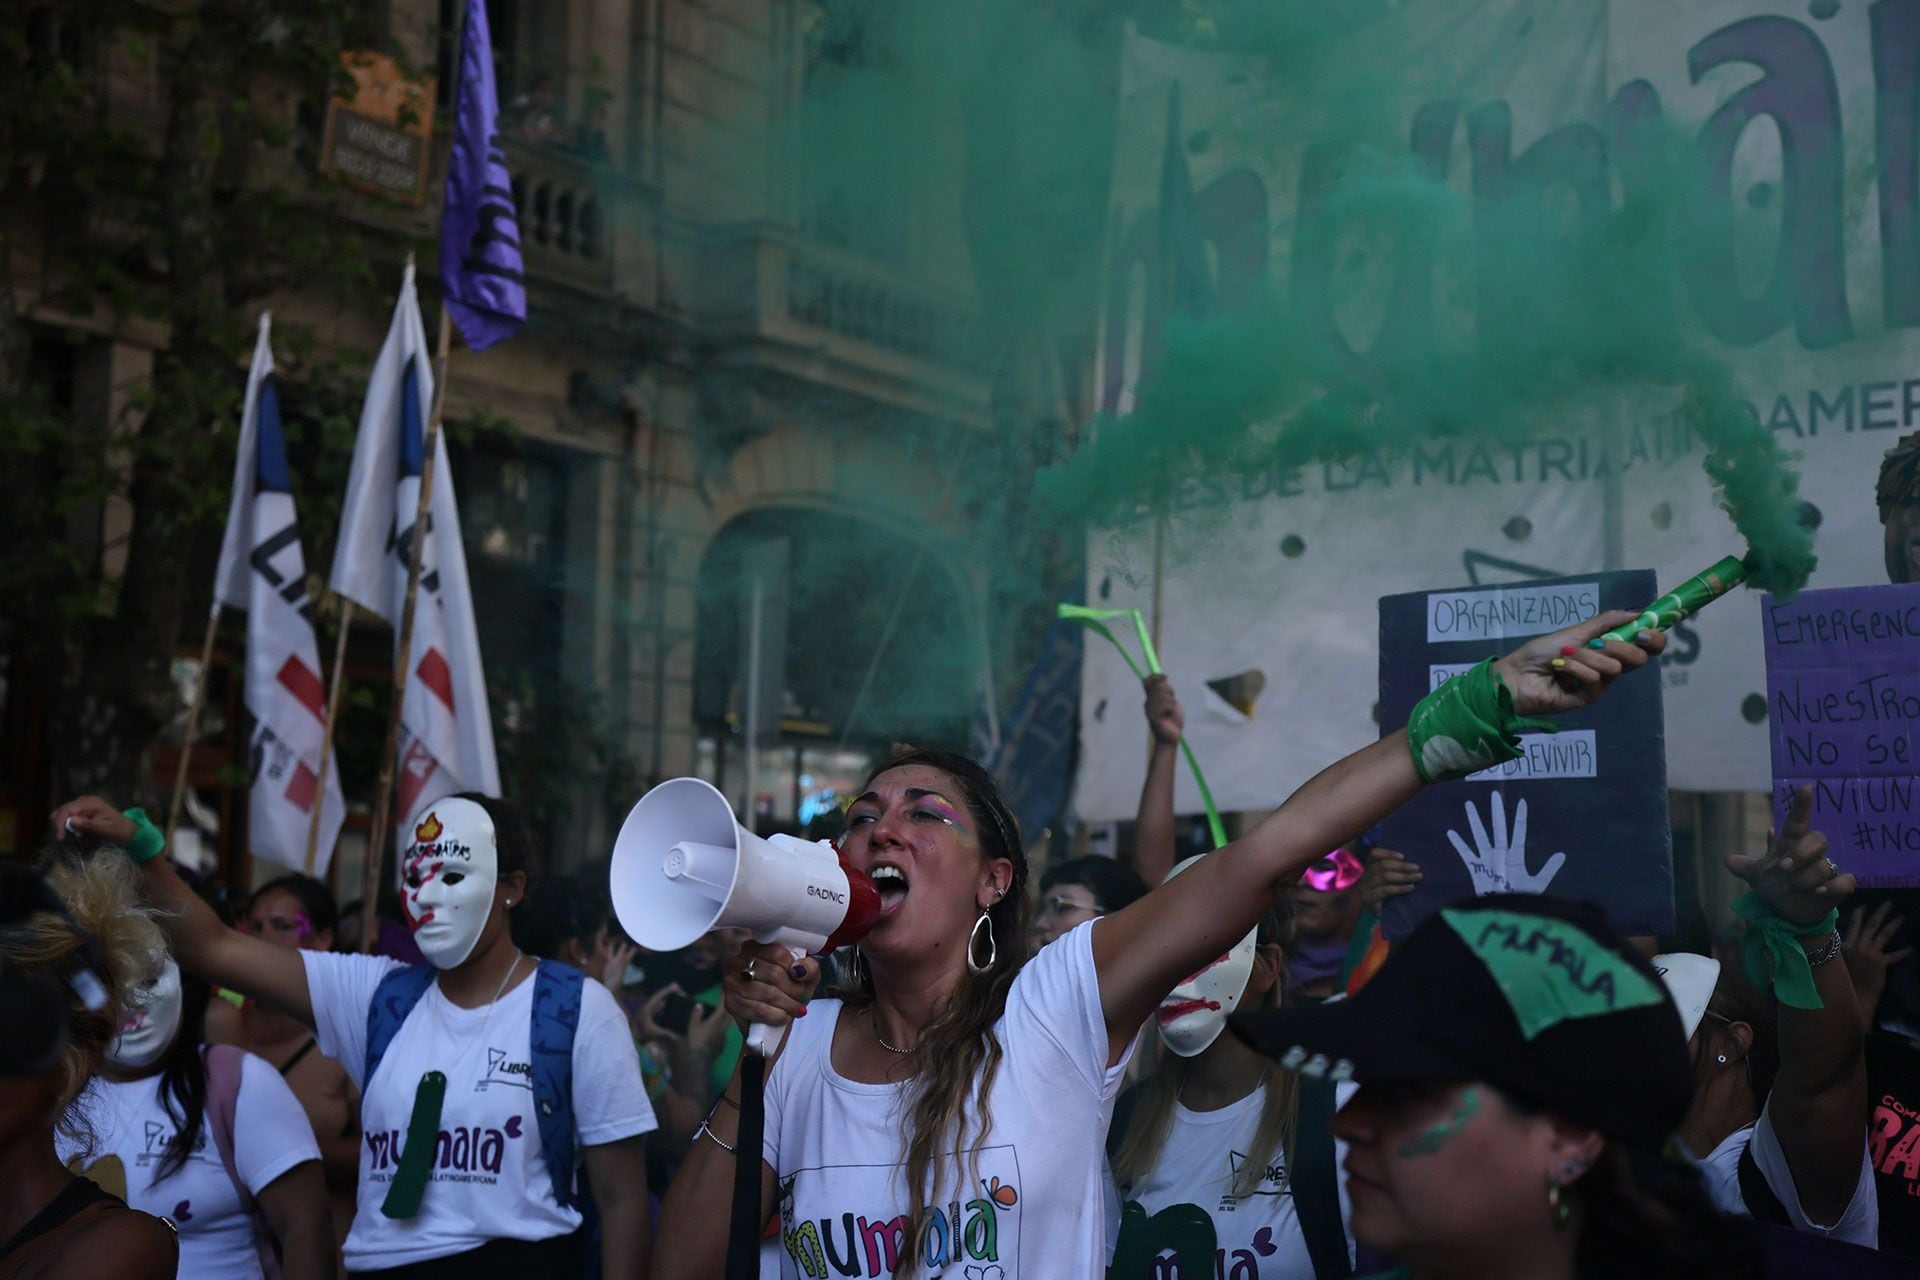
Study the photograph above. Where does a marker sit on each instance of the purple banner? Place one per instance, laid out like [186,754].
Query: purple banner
[1843,702]
[480,266]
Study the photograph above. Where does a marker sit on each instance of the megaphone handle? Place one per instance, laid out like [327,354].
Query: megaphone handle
[763,1038]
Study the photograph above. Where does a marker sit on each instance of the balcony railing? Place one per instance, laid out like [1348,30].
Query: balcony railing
[563,216]
[835,317]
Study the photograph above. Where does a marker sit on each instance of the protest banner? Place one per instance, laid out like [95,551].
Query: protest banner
[1792,110]
[1583,814]
[1843,697]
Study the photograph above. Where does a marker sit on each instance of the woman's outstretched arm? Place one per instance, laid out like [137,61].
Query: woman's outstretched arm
[1143,951]
[202,945]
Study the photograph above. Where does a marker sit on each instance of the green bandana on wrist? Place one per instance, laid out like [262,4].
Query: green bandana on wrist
[1467,725]
[1771,936]
[147,841]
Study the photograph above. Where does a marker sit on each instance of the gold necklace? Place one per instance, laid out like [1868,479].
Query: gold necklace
[874,1015]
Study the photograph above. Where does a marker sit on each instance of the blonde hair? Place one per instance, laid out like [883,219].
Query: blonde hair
[1152,1118]
[101,893]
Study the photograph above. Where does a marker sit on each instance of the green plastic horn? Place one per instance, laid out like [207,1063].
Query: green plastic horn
[1685,600]
[1096,620]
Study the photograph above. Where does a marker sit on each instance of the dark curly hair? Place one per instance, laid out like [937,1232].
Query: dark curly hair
[1899,484]
[1650,1216]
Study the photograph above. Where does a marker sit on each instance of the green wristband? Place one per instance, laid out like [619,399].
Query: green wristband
[1771,937]
[1467,725]
[147,841]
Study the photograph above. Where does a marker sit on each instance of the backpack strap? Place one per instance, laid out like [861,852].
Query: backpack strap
[225,1064]
[393,1000]
[1315,1178]
[1762,1204]
[556,1018]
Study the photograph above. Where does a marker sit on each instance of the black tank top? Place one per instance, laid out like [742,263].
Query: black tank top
[77,1195]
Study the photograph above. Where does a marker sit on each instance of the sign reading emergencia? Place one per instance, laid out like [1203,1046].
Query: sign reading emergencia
[376,139]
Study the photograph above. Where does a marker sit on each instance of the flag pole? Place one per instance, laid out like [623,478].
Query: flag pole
[326,729]
[193,721]
[403,645]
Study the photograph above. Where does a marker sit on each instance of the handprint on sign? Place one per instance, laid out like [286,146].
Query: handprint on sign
[1499,865]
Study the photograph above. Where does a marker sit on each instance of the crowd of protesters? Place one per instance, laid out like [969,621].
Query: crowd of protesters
[1158,1067]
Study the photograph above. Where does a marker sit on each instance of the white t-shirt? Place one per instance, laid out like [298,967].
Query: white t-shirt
[489,1177]
[1859,1224]
[1033,1206]
[132,1130]
[1257,1237]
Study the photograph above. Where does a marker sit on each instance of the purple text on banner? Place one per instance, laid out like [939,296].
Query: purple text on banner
[1843,711]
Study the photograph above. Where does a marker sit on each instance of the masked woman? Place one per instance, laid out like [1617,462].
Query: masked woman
[1222,1162]
[483,1075]
[951,1111]
[210,1138]
[69,963]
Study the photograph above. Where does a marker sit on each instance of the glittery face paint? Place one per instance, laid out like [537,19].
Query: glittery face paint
[1435,1139]
[928,805]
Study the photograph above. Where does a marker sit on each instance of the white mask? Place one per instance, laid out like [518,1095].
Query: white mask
[447,879]
[149,1025]
[1195,1013]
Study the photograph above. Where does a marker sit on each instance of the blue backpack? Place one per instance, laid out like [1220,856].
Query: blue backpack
[556,1016]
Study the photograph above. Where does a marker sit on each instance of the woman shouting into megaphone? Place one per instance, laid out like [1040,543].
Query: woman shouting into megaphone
[946,1114]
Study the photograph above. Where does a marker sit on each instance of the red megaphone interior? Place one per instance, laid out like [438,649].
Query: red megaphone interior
[863,908]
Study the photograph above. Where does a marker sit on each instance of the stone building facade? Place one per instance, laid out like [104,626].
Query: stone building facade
[721,353]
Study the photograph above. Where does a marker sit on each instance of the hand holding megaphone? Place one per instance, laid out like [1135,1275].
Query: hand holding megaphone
[682,867]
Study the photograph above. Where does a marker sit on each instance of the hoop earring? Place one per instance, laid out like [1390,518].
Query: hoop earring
[857,970]
[973,940]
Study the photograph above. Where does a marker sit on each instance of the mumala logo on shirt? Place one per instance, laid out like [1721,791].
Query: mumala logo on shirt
[461,1154]
[501,1070]
[826,1235]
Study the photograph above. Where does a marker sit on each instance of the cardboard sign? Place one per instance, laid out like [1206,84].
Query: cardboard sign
[1583,814]
[1843,703]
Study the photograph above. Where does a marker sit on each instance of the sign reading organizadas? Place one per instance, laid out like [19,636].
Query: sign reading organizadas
[377,137]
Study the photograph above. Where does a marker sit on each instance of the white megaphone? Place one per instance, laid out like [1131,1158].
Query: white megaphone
[682,867]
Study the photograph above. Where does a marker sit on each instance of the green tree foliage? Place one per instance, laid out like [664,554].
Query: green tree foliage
[156,185]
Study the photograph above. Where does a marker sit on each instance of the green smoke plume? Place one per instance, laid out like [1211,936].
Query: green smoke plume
[1543,300]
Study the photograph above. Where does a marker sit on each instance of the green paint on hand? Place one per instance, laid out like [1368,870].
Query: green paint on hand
[1437,1137]
[1550,971]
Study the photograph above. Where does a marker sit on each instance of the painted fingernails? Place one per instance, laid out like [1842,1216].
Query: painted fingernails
[802,1013]
[1558,663]
[1566,651]
[798,972]
[1643,636]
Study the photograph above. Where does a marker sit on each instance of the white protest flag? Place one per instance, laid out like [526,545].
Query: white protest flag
[263,572]
[446,741]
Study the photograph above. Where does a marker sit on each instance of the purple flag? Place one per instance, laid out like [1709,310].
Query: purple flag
[480,267]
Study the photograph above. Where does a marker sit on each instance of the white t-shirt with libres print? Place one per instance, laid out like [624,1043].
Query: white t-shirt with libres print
[1185,1203]
[132,1130]
[1034,1203]
[489,1179]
